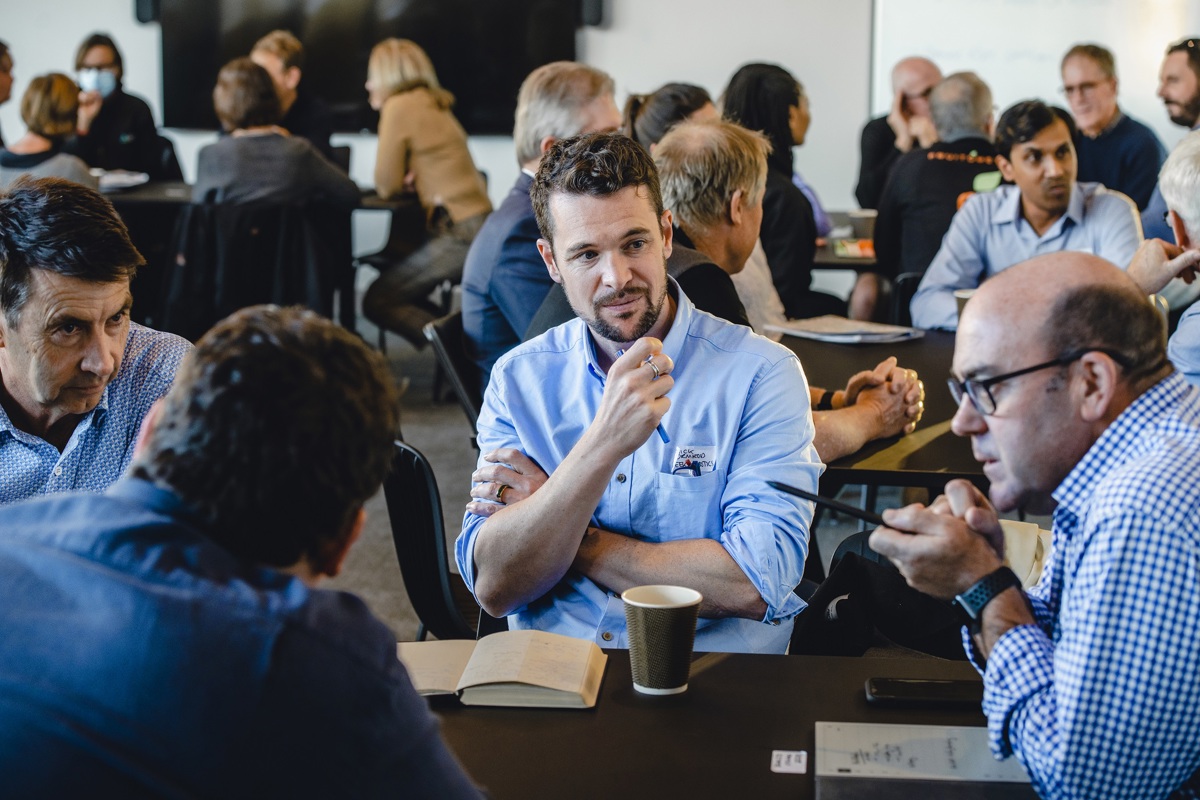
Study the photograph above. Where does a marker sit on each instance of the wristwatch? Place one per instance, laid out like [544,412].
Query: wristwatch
[826,401]
[972,602]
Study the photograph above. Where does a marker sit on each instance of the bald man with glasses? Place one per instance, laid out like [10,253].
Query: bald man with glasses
[1092,677]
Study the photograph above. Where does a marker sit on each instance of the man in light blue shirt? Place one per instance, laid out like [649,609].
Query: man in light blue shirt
[632,445]
[1045,212]
[76,376]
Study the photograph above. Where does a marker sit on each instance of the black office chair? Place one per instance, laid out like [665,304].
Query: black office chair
[449,344]
[443,604]
[227,256]
[340,156]
[903,289]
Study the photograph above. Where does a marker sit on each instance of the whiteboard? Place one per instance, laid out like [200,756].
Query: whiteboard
[1016,46]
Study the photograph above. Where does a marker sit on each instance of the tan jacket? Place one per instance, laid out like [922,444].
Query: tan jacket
[416,135]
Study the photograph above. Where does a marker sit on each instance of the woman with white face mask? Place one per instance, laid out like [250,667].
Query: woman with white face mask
[114,130]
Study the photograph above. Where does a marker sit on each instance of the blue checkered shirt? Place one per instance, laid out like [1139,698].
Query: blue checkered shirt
[101,446]
[1102,697]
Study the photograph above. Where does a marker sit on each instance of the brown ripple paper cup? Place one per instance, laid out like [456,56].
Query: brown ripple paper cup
[662,628]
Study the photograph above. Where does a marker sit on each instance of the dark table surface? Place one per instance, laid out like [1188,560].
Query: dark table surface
[929,456]
[716,740]
[826,256]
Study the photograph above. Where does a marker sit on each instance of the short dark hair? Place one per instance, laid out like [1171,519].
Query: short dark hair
[648,117]
[99,40]
[1098,53]
[1113,318]
[245,96]
[1191,48]
[596,164]
[63,227]
[278,427]
[758,97]
[1023,121]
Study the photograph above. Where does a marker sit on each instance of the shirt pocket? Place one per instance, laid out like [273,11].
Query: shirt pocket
[689,506]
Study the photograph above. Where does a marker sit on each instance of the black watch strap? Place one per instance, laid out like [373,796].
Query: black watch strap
[974,600]
[826,401]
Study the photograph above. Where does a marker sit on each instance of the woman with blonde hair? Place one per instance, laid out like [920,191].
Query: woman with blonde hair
[48,108]
[422,149]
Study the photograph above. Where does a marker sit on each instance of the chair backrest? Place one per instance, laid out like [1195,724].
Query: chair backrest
[165,164]
[448,340]
[340,156]
[903,289]
[228,256]
[415,510]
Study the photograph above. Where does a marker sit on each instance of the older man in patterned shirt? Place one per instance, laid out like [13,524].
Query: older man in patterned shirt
[76,376]
[1092,677]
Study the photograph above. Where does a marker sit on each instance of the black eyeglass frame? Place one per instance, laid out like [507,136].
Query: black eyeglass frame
[977,390]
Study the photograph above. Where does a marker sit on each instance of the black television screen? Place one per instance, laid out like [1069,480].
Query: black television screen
[481,50]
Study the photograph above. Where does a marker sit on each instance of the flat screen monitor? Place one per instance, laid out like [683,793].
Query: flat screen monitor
[481,50]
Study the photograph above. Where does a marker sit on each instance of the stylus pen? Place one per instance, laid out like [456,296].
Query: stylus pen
[836,505]
[662,434]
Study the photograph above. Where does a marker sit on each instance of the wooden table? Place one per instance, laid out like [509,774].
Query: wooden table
[716,740]
[928,457]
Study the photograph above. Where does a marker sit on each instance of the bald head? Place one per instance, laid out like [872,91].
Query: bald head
[1080,302]
[915,75]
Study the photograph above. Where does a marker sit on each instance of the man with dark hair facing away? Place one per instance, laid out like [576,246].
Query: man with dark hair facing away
[167,637]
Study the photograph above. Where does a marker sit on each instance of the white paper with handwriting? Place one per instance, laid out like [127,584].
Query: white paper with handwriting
[915,752]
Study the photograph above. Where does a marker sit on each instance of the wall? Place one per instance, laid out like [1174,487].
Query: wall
[644,44]
[1017,45]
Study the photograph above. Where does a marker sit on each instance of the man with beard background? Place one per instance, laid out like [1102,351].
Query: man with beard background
[1179,89]
[596,481]
[1046,211]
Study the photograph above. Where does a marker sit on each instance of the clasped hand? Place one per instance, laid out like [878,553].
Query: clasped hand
[946,548]
[897,395]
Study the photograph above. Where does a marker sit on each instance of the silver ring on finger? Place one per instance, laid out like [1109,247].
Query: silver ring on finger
[650,363]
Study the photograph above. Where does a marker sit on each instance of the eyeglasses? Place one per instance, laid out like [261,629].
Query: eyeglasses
[980,391]
[1080,89]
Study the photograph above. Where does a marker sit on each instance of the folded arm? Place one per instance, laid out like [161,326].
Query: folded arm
[523,549]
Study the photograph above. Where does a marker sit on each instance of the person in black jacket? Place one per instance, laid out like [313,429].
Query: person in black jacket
[767,98]
[115,130]
[907,125]
[928,185]
[304,114]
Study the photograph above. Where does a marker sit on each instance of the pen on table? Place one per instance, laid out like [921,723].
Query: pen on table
[662,434]
[836,505]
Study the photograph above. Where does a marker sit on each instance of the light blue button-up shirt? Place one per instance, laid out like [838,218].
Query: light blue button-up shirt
[1184,347]
[989,234]
[101,446]
[740,397]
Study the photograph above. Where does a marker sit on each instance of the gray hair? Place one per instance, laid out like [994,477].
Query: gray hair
[1179,182]
[960,106]
[701,165]
[550,102]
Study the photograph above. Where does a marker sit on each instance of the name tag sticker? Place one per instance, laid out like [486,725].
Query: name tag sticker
[789,761]
[694,460]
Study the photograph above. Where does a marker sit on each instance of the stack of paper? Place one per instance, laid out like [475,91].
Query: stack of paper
[840,330]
